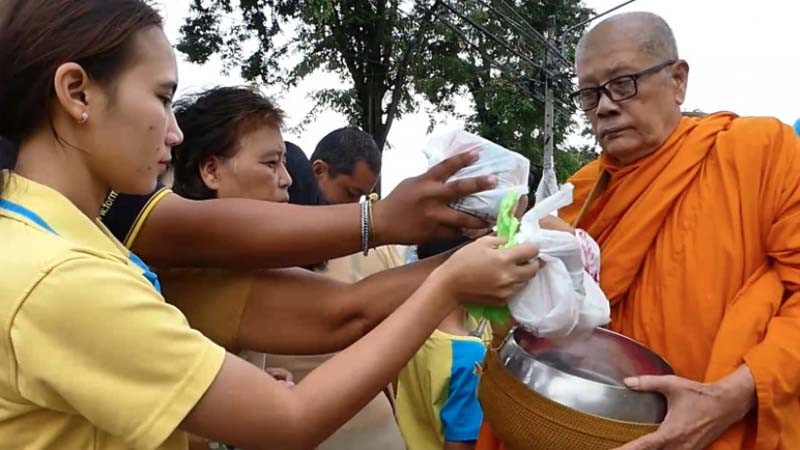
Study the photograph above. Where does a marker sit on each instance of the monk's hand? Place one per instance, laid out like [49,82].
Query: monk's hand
[418,209]
[698,413]
[549,222]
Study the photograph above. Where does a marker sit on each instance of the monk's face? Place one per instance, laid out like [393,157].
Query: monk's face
[631,129]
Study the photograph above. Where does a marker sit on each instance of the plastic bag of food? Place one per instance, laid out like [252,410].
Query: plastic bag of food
[509,168]
[562,299]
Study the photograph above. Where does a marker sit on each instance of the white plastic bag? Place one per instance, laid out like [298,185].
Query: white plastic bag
[562,299]
[510,169]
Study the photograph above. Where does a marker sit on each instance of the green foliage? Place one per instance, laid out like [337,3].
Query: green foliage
[390,54]
[369,44]
[500,77]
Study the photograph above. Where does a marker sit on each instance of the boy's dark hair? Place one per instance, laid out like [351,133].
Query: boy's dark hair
[341,149]
[436,247]
[213,121]
[8,154]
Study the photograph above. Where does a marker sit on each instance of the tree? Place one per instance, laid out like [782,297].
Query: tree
[386,51]
[370,44]
[488,50]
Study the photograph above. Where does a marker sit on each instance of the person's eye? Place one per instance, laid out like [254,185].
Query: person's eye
[272,164]
[587,95]
[166,100]
[622,86]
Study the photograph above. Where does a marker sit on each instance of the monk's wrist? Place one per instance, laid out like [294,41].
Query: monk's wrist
[739,388]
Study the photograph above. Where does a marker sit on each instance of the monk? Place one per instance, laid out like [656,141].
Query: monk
[698,220]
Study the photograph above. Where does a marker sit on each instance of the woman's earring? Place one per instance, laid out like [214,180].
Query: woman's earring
[84,117]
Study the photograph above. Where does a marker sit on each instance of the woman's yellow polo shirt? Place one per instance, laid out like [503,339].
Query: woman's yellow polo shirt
[91,357]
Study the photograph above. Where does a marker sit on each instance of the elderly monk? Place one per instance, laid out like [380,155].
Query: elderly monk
[699,223]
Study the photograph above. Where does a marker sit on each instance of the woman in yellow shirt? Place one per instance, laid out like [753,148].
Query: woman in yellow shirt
[93,358]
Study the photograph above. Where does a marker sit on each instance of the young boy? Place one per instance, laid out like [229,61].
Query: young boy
[437,402]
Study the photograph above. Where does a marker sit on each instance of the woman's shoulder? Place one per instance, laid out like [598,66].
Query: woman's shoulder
[124,214]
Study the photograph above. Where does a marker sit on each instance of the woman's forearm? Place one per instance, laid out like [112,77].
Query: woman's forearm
[297,312]
[246,233]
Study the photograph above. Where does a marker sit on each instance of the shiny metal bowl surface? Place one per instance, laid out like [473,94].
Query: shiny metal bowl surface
[585,373]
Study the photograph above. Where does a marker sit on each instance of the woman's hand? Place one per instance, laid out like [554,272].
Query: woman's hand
[418,209]
[282,375]
[482,273]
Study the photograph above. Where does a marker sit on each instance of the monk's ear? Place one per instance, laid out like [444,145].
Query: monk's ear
[680,80]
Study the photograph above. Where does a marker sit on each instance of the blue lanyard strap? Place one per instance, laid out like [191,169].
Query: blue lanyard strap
[27,213]
[148,274]
[35,218]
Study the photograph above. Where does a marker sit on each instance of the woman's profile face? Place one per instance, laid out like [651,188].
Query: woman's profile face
[133,126]
[256,171]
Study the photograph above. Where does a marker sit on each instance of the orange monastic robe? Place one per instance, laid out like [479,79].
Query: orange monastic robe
[701,261]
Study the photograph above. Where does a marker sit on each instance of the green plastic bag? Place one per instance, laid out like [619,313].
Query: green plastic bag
[507,227]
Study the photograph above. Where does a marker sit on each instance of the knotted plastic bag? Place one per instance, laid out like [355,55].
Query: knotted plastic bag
[507,227]
[510,169]
[562,299]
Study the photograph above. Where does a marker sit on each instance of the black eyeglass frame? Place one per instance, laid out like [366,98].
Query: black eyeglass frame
[600,90]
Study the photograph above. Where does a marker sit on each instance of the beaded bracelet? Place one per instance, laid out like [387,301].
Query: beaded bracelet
[367,223]
[371,199]
[364,204]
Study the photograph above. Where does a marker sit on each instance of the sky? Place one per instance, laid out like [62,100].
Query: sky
[744,56]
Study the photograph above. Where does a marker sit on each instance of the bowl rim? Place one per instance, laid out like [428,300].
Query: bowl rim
[512,337]
[573,409]
[618,391]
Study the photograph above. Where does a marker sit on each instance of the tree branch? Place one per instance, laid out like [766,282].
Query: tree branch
[402,71]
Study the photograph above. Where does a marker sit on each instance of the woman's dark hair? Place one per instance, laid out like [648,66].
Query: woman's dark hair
[213,121]
[38,36]
[304,189]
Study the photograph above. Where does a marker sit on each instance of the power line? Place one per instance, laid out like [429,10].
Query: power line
[525,26]
[491,36]
[522,82]
[591,19]
[554,46]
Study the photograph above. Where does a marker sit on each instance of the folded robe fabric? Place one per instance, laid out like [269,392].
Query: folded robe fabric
[701,260]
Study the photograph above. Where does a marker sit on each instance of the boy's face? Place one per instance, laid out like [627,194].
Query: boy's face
[343,188]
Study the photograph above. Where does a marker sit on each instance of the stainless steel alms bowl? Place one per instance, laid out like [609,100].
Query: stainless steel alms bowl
[585,373]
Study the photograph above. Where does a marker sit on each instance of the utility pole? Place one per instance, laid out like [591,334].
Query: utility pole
[548,185]
[552,70]
[554,49]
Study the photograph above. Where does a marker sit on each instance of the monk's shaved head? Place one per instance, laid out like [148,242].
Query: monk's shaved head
[634,82]
[650,30]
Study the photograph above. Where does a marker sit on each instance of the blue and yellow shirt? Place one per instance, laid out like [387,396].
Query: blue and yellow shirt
[437,397]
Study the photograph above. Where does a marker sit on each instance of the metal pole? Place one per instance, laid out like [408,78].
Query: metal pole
[548,185]
[549,100]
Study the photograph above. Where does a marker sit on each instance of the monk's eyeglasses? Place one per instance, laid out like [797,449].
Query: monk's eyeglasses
[617,90]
